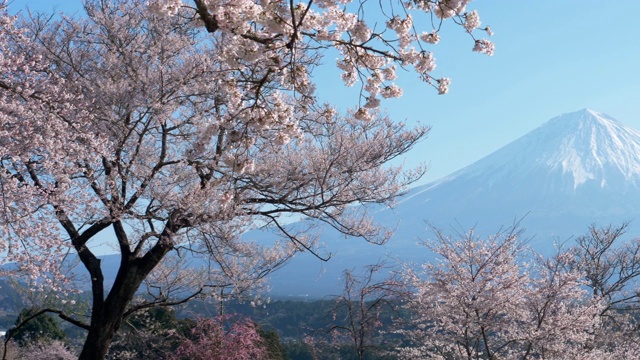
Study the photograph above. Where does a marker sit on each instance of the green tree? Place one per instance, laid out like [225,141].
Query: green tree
[33,325]
[274,347]
[298,350]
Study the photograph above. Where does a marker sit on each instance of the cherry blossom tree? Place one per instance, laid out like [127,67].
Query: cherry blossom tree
[480,301]
[132,123]
[357,315]
[612,267]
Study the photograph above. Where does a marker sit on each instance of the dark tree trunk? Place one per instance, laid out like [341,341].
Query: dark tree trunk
[107,314]
[98,340]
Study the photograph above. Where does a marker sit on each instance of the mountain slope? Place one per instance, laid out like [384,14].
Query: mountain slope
[574,170]
[582,163]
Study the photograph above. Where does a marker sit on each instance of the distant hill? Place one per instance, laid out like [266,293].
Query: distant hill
[10,304]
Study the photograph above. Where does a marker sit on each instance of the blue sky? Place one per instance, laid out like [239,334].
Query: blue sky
[552,57]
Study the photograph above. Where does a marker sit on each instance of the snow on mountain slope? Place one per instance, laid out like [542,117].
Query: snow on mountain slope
[583,162]
[586,145]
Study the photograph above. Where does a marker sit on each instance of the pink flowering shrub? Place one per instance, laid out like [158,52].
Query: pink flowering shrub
[46,349]
[223,338]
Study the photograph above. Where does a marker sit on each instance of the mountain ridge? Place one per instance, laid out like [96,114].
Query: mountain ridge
[568,133]
[583,149]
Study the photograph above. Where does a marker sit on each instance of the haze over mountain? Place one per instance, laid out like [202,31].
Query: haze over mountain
[575,170]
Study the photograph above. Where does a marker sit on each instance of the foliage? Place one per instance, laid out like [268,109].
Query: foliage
[45,349]
[298,350]
[487,297]
[10,304]
[271,339]
[157,334]
[358,314]
[305,350]
[40,328]
[292,319]
[611,268]
[151,334]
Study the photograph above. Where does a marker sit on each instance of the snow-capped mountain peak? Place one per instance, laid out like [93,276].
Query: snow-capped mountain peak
[583,163]
[584,146]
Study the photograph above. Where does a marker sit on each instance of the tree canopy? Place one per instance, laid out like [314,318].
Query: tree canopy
[173,127]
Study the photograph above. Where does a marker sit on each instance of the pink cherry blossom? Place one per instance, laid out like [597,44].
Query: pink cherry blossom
[175,127]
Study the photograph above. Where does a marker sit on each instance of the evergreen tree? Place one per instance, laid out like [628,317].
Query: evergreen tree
[31,327]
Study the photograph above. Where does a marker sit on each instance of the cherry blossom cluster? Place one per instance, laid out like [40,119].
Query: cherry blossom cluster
[224,337]
[484,46]
[28,91]
[286,36]
[44,349]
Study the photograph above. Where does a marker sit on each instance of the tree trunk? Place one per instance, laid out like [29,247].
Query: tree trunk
[96,346]
[107,314]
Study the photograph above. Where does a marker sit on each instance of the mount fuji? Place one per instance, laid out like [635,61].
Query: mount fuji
[575,170]
[582,166]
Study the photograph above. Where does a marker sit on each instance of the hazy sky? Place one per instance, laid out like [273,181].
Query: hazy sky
[552,57]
